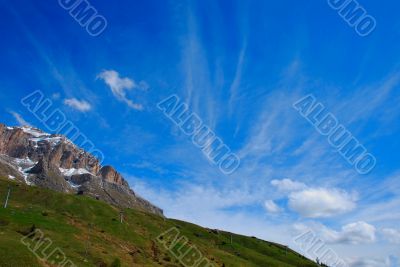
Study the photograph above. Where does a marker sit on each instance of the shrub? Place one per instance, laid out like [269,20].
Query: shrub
[116,263]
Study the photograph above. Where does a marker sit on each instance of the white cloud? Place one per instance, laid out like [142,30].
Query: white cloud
[271,206]
[321,202]
[119,86]
[357,233]
[19,119]
[287,185]
[392,235]
[56,96]
[362,262]
[353,233]
[82,106]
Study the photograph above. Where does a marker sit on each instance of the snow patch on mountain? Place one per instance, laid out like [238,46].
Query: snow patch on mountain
[34,132]
[24,166]
[52,140]
[24,162]
[73,171]
[72,184]
[25,174]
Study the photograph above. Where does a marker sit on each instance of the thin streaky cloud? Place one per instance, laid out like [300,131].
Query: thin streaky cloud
[236,83]
[19,119]
[79,105]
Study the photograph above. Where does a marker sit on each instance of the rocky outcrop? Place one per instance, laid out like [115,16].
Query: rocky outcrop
[54,162]
[45,174]
[13,142]
[109,174]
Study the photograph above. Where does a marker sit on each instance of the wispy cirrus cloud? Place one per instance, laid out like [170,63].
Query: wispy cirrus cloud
[19,118]
[238,78]
[279,144]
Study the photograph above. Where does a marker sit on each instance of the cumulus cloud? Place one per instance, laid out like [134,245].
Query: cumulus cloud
[119,86]
[357,233]
[353,233]
[315,202]
[392,235]
[271,206]
[287,185]
[19,119]
[321,202]
[362,262]
[80,105]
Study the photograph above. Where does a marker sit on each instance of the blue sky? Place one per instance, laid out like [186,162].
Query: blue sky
[240,66]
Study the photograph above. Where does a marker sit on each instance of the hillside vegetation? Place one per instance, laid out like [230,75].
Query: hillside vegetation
[90,233]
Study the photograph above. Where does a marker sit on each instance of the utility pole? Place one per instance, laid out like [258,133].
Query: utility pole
[8,196]
[87,247]
[121,216]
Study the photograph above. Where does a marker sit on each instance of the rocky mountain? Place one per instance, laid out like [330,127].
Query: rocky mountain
[51,161]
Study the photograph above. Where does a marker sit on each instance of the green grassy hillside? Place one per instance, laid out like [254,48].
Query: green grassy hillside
[90,233]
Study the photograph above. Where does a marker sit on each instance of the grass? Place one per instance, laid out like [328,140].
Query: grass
[90,234]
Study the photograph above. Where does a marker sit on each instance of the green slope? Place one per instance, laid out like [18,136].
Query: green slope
[90,234]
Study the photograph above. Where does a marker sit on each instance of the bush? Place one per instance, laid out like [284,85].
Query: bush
[116,263]
[4,222]
[28,231]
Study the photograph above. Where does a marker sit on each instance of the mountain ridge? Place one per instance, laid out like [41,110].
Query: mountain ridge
[34,157]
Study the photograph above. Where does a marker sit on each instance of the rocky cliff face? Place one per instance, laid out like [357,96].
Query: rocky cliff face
[52,161]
